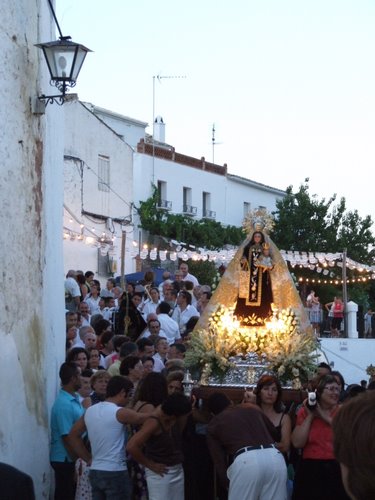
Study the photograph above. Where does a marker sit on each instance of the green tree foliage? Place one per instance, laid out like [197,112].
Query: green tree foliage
[304,223]
[204,271]
[200,233]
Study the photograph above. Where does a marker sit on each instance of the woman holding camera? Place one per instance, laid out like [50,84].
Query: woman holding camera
[318,475]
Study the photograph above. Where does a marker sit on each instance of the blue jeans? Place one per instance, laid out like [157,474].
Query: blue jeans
[107,485]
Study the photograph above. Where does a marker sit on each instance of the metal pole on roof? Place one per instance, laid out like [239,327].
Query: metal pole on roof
[153,129]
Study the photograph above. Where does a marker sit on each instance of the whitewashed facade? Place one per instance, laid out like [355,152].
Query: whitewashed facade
[196,187]
[32,323]
[98,192]
[244,195]
[129,129]
[181,181]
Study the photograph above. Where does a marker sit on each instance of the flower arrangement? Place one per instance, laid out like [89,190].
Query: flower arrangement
[290,354]
[209,350]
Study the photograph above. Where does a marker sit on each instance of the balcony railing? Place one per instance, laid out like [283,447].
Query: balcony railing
[209,214]
[165,205]
[189,210]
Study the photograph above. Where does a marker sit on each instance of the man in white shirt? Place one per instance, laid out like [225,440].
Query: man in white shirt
[111,283]
[153,329]
[186,276]
[166,281]
[171,297]
[160,357]
[105,423]
[107,307]
[184,310]
[167,324]
[89,340]
[85,314]
[72,291]
[79,341]
[93,299]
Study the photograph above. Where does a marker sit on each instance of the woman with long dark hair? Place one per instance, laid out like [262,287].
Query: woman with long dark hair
[151,392]
[268,397]
[157,446]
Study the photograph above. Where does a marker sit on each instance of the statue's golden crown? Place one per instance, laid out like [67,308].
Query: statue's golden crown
[258,220]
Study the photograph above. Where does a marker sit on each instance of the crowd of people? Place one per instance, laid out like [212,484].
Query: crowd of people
[328,318]
[122,428]
[335,315]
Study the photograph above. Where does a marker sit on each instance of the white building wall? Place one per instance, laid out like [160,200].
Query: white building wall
[87,137]
[177,176]
[32,332]
[228,192]
[351,357]
[131,130]
[241,191]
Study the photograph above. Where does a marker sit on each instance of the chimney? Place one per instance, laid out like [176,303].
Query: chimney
[159,129]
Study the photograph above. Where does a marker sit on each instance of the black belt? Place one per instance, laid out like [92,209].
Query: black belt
[251,448]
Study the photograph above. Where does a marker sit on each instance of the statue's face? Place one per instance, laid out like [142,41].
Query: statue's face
[257,237]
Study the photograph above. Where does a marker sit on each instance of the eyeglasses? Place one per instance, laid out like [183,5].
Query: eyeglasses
[332,389]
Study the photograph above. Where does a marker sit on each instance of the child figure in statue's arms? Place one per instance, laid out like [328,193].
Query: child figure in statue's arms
[264,260]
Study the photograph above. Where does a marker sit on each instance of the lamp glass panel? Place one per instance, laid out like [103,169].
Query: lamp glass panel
[81,54]
[60,61]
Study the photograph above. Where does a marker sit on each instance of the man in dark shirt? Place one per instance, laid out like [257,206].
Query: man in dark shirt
[245,435]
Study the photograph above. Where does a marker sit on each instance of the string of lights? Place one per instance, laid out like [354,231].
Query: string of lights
[318,262]
[363,279]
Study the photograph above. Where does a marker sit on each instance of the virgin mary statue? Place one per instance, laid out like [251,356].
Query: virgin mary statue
[257,279]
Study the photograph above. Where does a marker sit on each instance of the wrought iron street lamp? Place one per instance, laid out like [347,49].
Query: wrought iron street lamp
[64,60]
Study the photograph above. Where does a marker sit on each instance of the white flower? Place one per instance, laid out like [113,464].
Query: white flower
[295,372]
[281,370]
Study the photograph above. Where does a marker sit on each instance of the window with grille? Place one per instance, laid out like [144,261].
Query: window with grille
[103,173]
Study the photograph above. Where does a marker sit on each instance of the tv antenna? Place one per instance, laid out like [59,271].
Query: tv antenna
[159,78]
[214,142]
